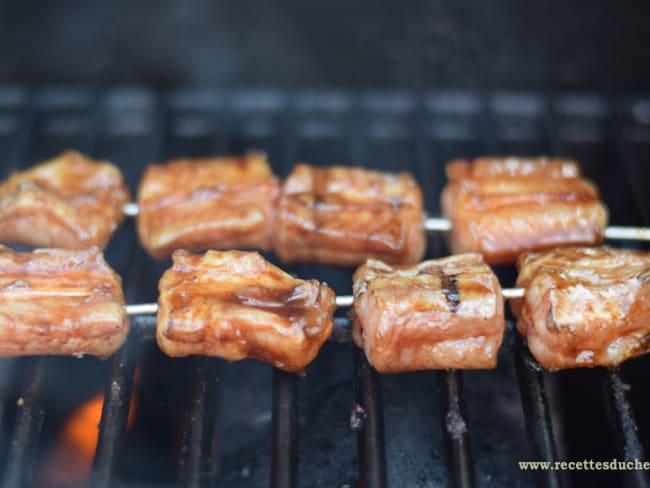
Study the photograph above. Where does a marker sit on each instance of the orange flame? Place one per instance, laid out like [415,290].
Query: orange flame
[72,458]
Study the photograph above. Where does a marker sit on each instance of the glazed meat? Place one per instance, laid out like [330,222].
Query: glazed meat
[69,202]
[584,306]
[503,207]
[236,305]
[442,313]
[343,216]
[199,204]
[62,302]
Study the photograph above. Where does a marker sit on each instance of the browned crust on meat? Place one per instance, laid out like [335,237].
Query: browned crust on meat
[441,313]
[60,302]
[501,207]
[207,203]
[70,202]
[236,305]
[342,216]
[584,307]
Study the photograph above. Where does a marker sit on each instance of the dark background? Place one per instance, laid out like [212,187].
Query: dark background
[556,45]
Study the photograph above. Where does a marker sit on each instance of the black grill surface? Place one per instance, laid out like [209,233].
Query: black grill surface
[203,422]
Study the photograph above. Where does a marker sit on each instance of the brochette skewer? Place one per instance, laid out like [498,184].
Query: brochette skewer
[575,307]
[498,207]
[342,301]
[439,224]
[612,232]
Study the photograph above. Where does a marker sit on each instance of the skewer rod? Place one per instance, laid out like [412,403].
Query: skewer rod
[438,224]
[341,301]
[344,301]
[510,293]
[142,309]
[631,233]
[130,209]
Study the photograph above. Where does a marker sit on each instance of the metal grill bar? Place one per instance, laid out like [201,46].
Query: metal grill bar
[284,430]
[459,453]
[370,441]
[29,420]
[198,463]
[115,412]
[116,407]
[623,424]
[537,414]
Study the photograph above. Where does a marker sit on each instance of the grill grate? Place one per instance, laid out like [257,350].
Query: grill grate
[307,420]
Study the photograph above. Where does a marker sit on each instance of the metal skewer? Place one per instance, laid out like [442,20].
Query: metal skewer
[142,309]
[628,233]
[341,301]
[438,224]
[130,209]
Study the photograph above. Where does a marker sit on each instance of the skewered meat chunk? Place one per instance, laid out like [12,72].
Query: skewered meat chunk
[69,202]
[501,207]
[236,305]
[442,313]
[584,306]
[199,204]
[64,302]
[343,216]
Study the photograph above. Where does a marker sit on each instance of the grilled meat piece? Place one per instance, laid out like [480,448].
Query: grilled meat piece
[343,216]
[69,202]
[501,207]
[442,313]
[63,302]
[236,305]
[199,204]
[584,306]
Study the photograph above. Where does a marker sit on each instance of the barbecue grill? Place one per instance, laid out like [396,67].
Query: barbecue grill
[203,422]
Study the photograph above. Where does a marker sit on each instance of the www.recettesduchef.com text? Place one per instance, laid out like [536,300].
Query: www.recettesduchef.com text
[585,465]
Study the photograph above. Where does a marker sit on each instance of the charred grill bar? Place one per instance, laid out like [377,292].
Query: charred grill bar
[22,452]
[538,416]
[134,127]
[369,422]
[461,470]
[284,430]
[624,425]
[198,455]
[115,413]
